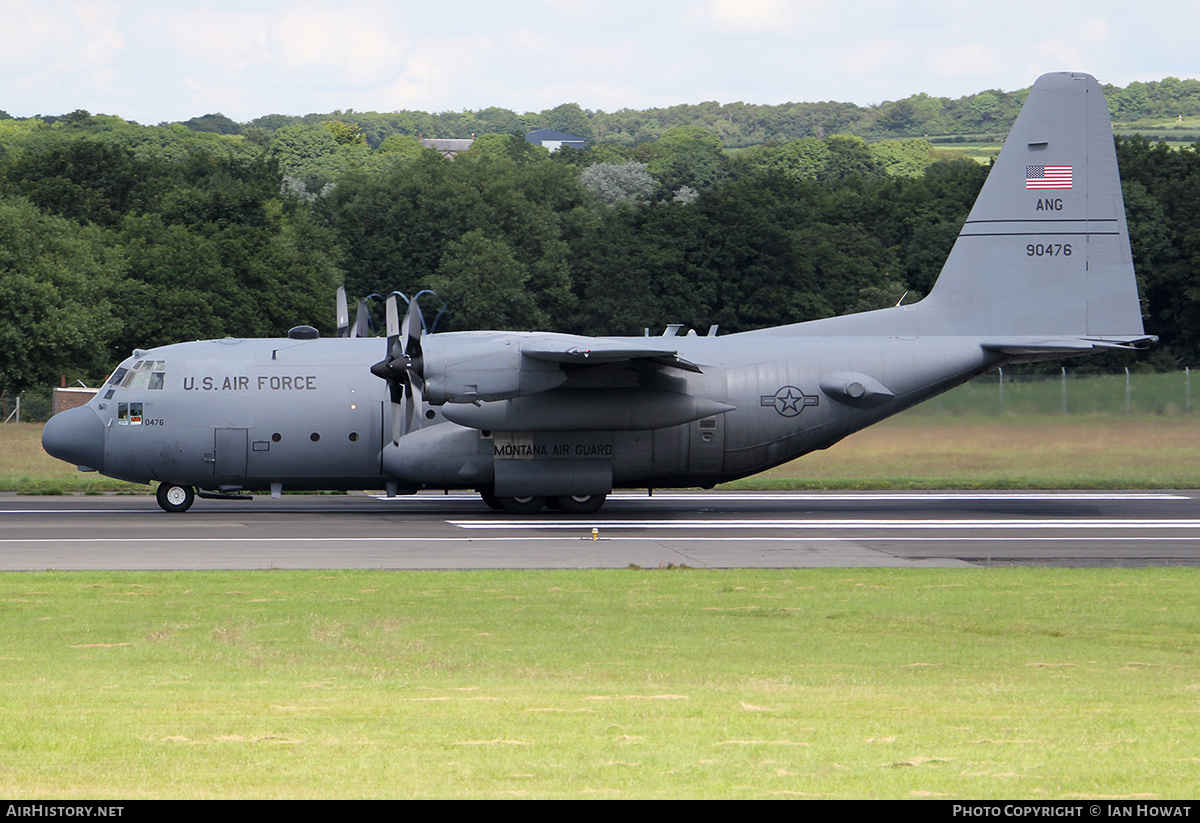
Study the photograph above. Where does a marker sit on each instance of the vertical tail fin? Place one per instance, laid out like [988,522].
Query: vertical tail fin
[1045,250]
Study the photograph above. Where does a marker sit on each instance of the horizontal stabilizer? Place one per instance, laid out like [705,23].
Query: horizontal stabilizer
[1049,348]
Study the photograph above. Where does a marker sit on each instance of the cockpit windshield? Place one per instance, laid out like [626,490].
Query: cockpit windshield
[145,374]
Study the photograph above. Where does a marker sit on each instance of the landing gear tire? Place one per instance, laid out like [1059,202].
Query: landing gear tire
[522,505]
[174,498]
[580,503]
[490,499]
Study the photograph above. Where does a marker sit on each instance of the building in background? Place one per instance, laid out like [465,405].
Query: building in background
[554,139]
[448,147]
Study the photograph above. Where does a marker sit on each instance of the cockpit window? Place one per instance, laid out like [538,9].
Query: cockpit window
[117,376]
[145,374]
[129,414]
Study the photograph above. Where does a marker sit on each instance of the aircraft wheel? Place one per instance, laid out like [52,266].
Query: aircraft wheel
[522,505]
[175,498]
[581,503]
[491,500]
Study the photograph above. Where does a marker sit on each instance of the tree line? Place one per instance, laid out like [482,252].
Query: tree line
[115,236]
[989,114]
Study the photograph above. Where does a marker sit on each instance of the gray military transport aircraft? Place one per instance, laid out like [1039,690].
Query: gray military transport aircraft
[1041,270]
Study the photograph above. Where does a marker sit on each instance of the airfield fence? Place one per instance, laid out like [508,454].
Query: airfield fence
[1069,392]
[25,407]
[995,394]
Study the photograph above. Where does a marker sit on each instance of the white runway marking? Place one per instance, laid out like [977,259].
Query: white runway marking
[583,538]
[839,525]
[840,497]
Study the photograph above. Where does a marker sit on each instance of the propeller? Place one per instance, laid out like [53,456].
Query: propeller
[403,367]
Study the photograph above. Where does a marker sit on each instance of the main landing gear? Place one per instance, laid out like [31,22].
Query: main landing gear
[580,503]
[568,504]
[175,498]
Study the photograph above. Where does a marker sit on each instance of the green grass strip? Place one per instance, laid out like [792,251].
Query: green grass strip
[983,683]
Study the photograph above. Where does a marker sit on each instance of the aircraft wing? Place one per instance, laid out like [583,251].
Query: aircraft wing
[517,381]
[596,351]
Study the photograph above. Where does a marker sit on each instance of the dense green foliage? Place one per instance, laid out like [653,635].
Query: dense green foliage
[740,124]
[1162,202]
[103,250]
[115,235]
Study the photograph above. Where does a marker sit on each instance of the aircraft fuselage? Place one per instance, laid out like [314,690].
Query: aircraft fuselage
[308,414]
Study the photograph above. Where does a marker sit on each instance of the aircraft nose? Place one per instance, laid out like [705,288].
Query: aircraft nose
[76,436]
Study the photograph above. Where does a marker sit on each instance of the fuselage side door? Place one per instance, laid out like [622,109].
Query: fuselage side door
[229,447]
[706,445]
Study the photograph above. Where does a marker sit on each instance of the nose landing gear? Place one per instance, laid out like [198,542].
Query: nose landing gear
[175,498]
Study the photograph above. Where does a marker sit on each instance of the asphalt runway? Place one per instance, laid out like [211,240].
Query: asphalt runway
[697,529]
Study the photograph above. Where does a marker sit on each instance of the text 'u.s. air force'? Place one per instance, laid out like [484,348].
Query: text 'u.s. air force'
[262,382]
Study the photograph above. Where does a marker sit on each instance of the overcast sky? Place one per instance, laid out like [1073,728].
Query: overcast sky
[154,61]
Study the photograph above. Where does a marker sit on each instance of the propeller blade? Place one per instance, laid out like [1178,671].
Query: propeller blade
[398,422]
[410,411]
[415,407]
[343,315]
[404,325]
[393,319]
[413,324]
[411,339]
[362,321]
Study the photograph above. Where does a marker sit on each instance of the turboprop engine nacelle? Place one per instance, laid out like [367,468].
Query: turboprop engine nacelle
[472,367]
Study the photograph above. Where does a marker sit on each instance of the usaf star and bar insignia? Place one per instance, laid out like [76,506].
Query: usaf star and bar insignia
[789,401]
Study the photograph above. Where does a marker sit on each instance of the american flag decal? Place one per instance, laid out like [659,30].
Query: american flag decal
[1047,177]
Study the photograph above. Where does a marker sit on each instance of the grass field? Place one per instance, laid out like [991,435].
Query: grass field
[1002,683]
[982,153]
[1027,452]
[25,467]
[1178,133]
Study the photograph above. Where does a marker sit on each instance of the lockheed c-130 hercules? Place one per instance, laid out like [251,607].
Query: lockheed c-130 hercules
[1041,270]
